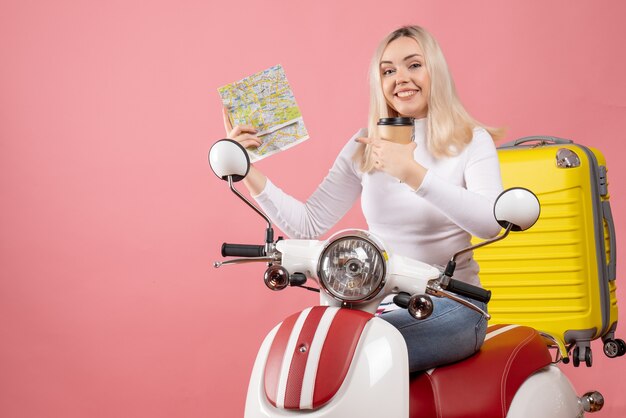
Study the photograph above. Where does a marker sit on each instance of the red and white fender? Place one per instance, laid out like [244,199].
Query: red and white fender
[340,362]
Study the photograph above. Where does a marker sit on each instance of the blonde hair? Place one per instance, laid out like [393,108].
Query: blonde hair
[449,125]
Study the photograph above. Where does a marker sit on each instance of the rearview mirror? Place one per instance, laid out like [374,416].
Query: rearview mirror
[228,158]
[517,207]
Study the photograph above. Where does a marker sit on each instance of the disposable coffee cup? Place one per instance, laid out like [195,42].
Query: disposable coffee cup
[398,130]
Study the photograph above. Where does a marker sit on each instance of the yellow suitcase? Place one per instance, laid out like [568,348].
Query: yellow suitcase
[559,276]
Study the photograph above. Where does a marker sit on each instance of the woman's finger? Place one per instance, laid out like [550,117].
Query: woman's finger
[250,143]
[227,125]
[241,129]
[248,140]
[251,138]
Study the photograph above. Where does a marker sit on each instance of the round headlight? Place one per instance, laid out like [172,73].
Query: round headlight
[352,267]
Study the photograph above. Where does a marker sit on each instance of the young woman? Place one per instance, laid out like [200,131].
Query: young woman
[424,199]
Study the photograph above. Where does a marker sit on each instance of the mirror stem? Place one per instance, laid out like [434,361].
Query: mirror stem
[451,266]
[269,233]
[486,242]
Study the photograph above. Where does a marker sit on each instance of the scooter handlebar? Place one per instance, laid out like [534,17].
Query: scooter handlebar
[242,250]
[469,290]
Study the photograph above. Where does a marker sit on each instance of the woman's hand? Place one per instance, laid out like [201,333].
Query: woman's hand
[244,134]
[255,180]
[396,160]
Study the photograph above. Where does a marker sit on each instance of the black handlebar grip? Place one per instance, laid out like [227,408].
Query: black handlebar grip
[469,290]
[242,250]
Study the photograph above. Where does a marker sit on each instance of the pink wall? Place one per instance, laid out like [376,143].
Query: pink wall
[111,217]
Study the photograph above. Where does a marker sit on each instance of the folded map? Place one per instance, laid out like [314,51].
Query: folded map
[265,100]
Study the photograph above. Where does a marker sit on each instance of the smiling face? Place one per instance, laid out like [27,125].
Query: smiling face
[405,79]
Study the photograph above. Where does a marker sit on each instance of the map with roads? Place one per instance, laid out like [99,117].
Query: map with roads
[265,101]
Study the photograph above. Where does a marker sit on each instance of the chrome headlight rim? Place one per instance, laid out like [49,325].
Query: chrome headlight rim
[361,235]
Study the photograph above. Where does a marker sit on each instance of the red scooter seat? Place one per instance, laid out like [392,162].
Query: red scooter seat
[483,385]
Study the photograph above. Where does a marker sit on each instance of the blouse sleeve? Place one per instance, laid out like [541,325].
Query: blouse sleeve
[470,207]
[324,208]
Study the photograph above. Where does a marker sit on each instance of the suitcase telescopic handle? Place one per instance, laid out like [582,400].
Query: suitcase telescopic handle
[608,217]
[536,138]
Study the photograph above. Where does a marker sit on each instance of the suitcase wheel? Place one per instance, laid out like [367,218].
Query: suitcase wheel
[587,357]
[575,359]
[614,348]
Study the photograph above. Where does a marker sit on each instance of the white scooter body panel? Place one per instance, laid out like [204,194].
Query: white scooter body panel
[404,274]
[546,393]
[377,382]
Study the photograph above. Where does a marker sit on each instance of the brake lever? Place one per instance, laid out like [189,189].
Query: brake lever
[434,289]
[218,264]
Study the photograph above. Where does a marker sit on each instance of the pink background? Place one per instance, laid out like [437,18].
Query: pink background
[111,217]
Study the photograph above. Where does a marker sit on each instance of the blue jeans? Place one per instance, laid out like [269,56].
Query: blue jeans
[453,332]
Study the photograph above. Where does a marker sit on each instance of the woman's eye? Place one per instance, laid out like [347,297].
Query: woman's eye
[415,65]
[388,71]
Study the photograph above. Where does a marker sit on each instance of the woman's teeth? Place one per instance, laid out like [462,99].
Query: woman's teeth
[406,93]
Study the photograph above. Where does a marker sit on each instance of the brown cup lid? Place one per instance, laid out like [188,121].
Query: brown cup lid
[396,121]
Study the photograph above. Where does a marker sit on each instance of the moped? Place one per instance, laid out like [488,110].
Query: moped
[339,359]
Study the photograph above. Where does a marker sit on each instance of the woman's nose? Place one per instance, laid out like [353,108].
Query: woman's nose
[401,76]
